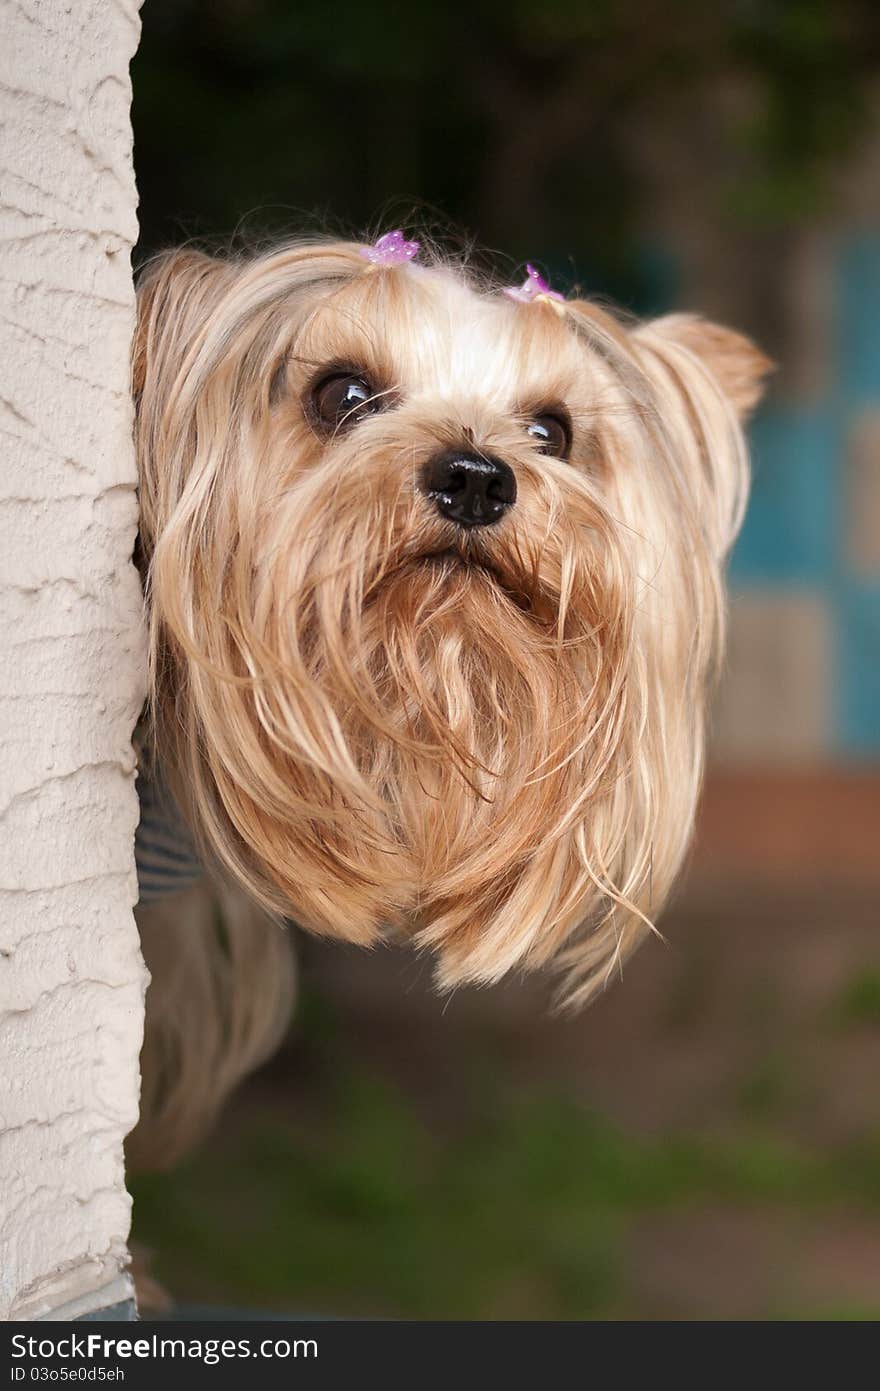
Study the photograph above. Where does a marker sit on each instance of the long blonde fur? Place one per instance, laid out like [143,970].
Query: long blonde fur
[222,985]
[487,743]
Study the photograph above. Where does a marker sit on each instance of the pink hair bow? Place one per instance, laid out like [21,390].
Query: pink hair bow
[390,250]
[534,287]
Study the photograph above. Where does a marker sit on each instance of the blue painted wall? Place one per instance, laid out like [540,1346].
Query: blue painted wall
[795,530]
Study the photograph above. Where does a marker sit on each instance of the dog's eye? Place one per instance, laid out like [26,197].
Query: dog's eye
[339,401]
[551,433]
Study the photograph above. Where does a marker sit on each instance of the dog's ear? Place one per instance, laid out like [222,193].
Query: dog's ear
[174,294]
[177,295]
[739,368]
[709,379]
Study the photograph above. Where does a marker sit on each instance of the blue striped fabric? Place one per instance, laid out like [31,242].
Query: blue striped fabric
[166,858]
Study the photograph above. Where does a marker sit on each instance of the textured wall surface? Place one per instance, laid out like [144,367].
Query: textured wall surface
[71,675]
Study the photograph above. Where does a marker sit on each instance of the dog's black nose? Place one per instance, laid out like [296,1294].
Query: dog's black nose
[469,488]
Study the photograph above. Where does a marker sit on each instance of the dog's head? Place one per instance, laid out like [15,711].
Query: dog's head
[435,585]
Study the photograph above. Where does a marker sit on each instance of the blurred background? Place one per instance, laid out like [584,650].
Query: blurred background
[705,1141]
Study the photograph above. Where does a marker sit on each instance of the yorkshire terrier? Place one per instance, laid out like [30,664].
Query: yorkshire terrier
[434,577]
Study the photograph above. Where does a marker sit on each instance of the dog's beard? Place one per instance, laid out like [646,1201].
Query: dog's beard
[512,723]
[425,736]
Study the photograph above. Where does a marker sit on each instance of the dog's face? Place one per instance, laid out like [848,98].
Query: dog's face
[435,591]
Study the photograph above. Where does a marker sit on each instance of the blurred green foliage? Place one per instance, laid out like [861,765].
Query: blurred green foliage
[520,1211]
[545,128]
[858,1001]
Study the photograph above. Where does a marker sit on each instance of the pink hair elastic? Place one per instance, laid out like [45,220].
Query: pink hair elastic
[391,249]
[533,288]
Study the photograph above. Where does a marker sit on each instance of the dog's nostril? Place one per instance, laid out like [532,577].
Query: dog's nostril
[457,481]
[502,488]
[470,489]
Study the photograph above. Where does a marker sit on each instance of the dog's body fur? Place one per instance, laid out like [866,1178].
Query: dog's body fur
[486,739]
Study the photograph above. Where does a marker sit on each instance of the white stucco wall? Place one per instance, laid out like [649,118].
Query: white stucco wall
[72,659]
